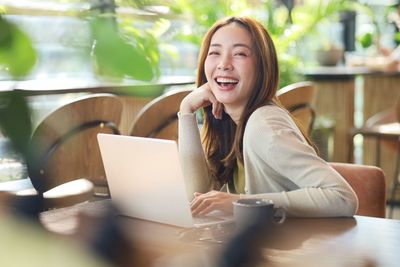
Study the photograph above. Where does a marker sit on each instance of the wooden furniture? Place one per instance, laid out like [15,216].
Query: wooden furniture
[336,88]
[133,94]
[369,184]
[384,128]
[66,159]
[298,99]
[359,241]
[159,118]
[346,93]
[380,93]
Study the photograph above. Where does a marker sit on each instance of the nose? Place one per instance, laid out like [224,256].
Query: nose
[225,63]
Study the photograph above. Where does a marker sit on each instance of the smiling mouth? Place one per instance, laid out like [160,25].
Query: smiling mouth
[226,82]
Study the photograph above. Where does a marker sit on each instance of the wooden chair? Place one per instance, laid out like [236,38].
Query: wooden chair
[158,119]
[67,162]
[369,184]
[384,127]
[298,99]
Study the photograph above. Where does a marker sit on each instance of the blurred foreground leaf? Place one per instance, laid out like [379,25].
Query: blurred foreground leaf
[397,37]
[116,57]
[15,121]
[16,51]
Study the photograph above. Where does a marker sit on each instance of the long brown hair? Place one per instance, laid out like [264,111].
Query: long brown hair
[223,139]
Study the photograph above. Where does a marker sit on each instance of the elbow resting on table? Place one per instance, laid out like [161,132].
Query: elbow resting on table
[350,205]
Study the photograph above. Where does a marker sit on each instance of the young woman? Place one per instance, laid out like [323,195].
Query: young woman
[252,146]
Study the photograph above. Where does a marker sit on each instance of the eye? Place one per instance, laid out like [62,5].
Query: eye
[213,53]
[240,54]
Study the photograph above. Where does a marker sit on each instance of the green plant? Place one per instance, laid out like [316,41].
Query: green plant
[114,53]
[287,29]
[17,54]
[202,14]
[115,56]
[366,39]
[369,36]
[290,31]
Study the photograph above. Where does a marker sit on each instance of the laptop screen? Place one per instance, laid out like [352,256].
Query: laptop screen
[145,178]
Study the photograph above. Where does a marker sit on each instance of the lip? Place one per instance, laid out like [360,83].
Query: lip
[228,87]
[231,79]
[226,78]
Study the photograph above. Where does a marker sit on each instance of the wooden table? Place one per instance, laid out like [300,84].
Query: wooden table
[357,241]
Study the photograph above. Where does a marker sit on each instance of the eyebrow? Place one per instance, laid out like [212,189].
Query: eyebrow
[235,45]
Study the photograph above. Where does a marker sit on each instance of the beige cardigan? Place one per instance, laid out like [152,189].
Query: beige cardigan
[278,163]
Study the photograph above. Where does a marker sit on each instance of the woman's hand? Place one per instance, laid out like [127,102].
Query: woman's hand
[201,97]
[213,200]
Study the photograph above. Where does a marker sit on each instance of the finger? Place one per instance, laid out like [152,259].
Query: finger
[216,107]
[218,111]
[199,201]
[205,200]
[206,86]
[199,196]
[207,209]
[195,194]
[195,202]
[203,206]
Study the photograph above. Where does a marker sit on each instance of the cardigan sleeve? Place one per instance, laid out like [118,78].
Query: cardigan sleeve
[297,179]
[191,153]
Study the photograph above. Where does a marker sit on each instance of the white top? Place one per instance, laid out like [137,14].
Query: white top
[279,165]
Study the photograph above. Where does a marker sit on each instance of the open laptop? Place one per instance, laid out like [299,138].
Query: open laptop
[146,181]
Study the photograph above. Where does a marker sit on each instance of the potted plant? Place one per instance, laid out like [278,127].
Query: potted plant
[329,55]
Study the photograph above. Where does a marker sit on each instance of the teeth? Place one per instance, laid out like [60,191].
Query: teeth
[226,80]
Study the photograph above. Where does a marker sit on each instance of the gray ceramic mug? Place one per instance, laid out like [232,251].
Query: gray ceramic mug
[248,211]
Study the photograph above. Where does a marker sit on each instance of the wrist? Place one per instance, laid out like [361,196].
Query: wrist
[185,109]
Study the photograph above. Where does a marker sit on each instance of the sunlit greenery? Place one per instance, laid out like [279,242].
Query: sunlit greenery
[115,57]
[113,53]
[287,33]
[133,45]
[16,52]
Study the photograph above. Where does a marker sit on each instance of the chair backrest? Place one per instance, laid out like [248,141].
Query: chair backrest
[387,116]
[159,118]
[65,142]
[298,99]
[369,184]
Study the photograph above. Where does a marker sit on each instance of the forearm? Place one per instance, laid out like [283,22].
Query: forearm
[192,157]
[312,202]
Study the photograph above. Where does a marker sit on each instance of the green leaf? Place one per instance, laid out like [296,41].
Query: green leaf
[397,37]
[366,39]
[15,120]
[115,56]
[16,51]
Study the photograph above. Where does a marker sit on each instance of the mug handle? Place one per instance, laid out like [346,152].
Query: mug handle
[279,219]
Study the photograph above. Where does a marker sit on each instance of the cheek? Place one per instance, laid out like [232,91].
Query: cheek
[208,70]
[250,72]
[250,80]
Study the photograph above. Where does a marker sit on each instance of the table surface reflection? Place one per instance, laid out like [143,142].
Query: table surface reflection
[358,241]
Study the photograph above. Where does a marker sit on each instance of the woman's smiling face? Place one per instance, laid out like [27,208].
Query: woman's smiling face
[230,66]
